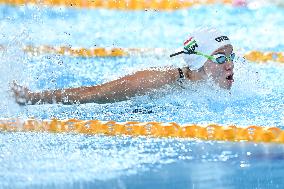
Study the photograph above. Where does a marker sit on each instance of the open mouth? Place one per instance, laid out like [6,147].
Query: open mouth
[230,77]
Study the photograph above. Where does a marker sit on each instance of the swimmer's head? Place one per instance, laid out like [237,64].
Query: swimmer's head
[210,51]
[205,41]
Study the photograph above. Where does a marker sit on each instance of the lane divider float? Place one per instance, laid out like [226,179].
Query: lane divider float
[253,56]
[212,132]
[262,57]
[120,4]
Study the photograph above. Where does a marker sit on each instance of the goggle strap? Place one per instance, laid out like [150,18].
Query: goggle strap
[177,53]
[205,55]
[201,54]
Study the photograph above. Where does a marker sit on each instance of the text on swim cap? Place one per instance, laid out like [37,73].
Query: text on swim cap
[221,38]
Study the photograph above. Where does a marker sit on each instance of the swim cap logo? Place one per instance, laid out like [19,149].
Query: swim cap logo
[222,38]
[190,45]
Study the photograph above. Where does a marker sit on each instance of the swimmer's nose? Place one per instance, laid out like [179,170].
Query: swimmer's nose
[229,65]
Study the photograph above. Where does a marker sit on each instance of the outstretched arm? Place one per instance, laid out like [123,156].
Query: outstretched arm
[121,89]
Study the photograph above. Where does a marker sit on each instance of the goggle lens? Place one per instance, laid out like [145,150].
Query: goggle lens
[232,56]
[222,59]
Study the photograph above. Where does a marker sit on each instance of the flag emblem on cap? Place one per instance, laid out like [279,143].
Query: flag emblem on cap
[190,45]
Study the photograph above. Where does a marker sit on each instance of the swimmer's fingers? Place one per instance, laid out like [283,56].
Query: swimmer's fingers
[16,88]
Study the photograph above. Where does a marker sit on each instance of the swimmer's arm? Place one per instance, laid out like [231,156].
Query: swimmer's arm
[121,89]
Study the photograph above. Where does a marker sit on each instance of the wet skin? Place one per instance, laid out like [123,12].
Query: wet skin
[222,74]
[128,86]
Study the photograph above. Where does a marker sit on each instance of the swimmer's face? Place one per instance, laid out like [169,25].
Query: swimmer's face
[222,74]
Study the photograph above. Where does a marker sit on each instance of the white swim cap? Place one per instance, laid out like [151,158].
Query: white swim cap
[205,41]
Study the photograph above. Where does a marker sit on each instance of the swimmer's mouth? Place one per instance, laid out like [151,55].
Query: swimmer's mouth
[230,77]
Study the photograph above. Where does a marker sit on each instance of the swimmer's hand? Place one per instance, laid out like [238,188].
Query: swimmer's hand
[20,93]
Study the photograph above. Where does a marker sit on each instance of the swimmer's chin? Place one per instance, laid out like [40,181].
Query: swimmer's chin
[226,84]
[227,87]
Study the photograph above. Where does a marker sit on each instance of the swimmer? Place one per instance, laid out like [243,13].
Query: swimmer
[207,53]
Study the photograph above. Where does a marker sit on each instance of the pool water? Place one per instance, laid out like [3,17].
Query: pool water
[41,160]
